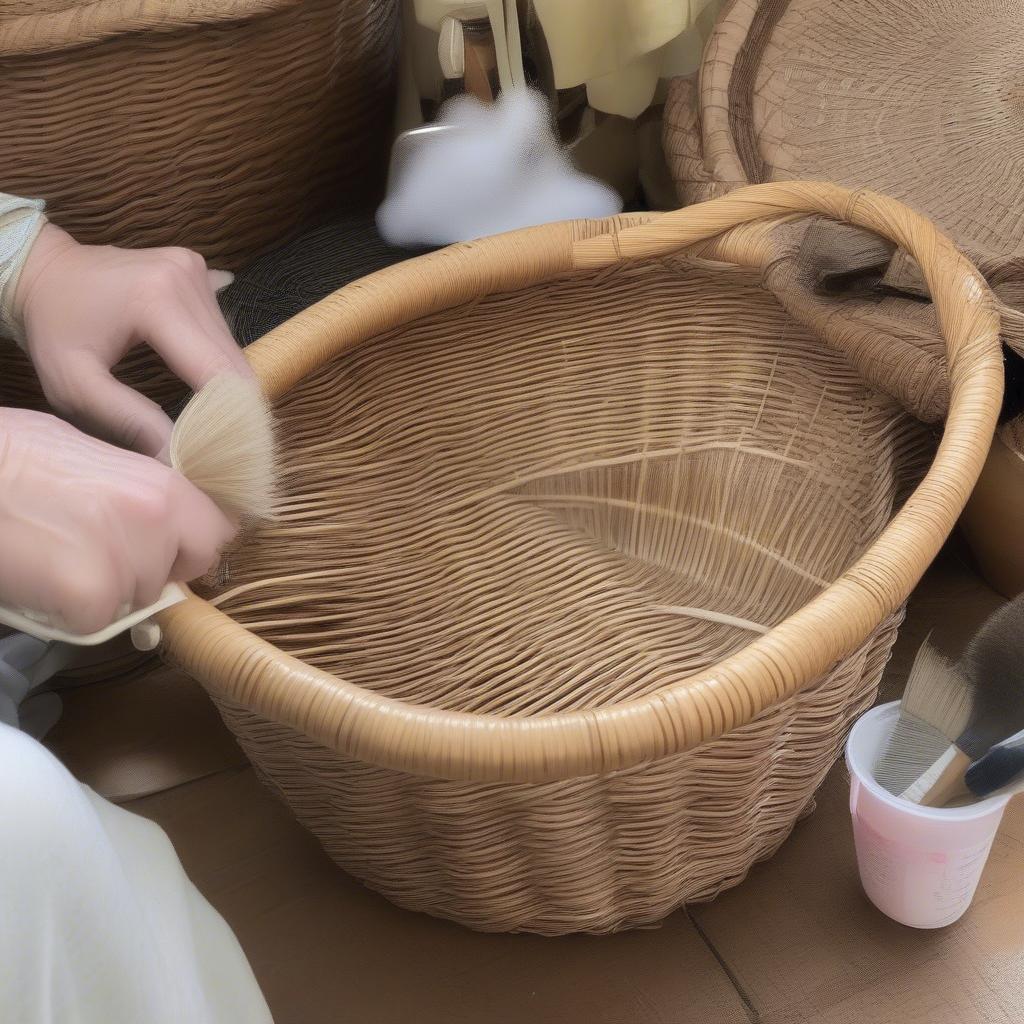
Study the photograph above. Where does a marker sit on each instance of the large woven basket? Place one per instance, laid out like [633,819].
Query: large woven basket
[589,557]
[221,125]
[920,100]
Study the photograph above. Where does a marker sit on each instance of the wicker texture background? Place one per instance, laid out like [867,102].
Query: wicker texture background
[221,126]
[220,133]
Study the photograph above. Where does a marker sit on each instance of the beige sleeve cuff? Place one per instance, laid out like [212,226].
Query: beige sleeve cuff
[20,222]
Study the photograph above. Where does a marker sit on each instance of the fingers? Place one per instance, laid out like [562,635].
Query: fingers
[206,530]
[101,559]
[86,599]
[183,323]
[98,403]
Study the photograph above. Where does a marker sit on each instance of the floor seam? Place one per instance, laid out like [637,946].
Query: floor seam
[748,1005]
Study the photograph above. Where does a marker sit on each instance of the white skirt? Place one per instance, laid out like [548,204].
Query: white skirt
[98,922]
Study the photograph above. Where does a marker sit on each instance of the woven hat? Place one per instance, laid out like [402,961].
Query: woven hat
[922,101]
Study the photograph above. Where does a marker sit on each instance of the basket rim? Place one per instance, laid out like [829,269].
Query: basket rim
[98,20]
[235,664]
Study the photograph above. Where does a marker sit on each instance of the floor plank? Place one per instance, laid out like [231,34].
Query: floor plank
[131,736]
[803,942]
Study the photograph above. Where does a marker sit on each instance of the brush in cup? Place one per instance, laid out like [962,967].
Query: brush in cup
[993,672]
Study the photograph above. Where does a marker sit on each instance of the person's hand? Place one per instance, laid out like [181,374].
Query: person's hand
[89,531]
[82,307]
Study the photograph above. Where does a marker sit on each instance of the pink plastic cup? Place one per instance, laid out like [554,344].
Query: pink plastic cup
[918,865]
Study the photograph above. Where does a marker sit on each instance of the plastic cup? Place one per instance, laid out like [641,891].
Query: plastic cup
[918,865]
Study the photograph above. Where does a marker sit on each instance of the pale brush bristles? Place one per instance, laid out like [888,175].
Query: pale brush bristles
[935,706]
[990,708]
[938,693]
[224,443]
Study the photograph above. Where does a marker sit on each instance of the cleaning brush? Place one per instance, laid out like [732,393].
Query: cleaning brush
[223,442]
[1001,769]
[935,702]
[993,667]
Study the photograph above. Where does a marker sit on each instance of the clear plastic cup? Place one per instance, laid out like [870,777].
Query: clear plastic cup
[918,865]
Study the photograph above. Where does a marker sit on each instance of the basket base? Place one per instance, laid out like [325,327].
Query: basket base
[596,855]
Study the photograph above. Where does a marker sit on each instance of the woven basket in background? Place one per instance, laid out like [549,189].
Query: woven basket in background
[589,557]
[922,100]
[221,125]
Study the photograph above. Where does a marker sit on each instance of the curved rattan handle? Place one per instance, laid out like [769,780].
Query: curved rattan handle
[236,664]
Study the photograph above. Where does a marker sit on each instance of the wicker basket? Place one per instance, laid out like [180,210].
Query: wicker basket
[589,557]
[221,125]
[919,100]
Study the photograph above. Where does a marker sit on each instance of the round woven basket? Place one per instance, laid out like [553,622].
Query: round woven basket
[221,125]
[922,100]
[589,556]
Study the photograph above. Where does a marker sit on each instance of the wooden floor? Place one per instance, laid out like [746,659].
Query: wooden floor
[796,943]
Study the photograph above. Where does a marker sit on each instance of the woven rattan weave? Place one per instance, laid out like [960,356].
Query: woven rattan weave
[587,561]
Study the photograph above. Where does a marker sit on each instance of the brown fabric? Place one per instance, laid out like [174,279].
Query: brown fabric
[920,101]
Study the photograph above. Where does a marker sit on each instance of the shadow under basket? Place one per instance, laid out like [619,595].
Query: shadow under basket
[589,556]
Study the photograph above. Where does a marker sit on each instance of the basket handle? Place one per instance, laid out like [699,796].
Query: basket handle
[236,665]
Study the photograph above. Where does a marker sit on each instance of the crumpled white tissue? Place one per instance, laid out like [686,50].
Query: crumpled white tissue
[496,167]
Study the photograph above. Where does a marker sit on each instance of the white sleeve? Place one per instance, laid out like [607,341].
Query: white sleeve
[20,221]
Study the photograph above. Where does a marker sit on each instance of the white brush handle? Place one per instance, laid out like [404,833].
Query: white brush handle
[43,629]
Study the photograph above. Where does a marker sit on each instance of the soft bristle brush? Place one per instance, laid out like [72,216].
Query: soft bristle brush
[935,700]
[993,667]
[223,442]
[1001,770]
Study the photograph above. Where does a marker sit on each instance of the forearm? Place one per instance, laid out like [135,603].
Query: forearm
[20,222]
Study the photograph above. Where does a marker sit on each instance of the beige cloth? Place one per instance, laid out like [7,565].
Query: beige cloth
[622,48]
[20,221]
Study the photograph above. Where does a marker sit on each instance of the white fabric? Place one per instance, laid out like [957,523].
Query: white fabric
[20,221]
[98,922]
[484,168]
